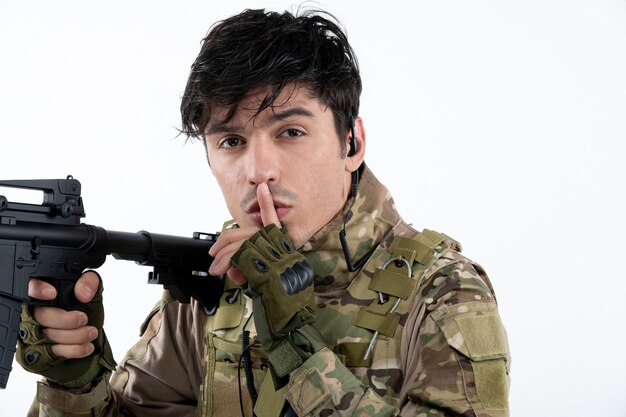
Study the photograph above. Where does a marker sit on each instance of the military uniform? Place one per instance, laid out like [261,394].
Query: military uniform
[440,348]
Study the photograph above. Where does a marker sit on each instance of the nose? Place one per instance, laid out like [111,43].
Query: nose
[262,162]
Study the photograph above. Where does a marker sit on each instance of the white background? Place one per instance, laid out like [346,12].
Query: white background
[499,123]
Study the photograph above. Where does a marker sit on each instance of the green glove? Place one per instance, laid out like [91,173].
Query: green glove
[280,282]
[35,355]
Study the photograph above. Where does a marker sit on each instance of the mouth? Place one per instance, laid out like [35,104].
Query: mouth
[254,211]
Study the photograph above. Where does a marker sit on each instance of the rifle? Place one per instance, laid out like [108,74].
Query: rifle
[48,242]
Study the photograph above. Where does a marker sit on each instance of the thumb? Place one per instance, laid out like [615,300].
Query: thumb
[87,286]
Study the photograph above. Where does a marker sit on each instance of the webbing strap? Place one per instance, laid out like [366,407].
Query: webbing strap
[352,353]
[396,281]
[228,316]
[271,401]
[392,283]
[385,324]
[232,308]
[420,248]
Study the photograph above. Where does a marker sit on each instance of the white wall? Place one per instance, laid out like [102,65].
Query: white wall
[499,123]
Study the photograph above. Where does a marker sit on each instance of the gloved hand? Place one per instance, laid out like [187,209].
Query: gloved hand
[280,282]
[34,351]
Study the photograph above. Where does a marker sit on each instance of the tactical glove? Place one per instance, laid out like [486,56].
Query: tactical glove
[280,282]
[34,351]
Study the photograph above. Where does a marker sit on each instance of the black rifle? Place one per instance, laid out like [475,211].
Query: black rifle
[49,243]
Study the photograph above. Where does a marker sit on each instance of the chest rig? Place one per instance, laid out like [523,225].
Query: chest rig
[397,281]
[363,326]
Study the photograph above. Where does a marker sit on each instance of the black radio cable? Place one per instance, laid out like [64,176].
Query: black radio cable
[247,365]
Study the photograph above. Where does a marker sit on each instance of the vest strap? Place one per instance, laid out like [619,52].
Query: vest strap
[384,324]
[228,316]
[392,283]
[352,353]
[396,282]
[420,248]
[271,401]
[231,307]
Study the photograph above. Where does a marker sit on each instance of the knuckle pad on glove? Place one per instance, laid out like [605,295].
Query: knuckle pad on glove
[30,332]
[34,349]
[297,278]
[277,274]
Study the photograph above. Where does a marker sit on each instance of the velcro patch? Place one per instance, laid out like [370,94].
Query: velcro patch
[491,384]
[484,336]
[284,358]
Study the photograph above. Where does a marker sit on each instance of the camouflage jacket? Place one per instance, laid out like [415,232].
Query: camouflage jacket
[440,347]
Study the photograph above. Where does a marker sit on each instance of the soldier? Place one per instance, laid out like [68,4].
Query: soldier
[334,306]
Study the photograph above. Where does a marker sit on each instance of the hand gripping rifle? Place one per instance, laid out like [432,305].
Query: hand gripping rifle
[49,243]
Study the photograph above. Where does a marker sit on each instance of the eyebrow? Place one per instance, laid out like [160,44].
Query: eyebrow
[294,111]
[276,116]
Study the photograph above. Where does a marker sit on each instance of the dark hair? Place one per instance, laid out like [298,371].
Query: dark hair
[257,48]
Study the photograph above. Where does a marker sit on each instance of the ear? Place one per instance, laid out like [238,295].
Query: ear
[353,162]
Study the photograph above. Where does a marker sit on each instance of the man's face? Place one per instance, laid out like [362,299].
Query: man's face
[294,148]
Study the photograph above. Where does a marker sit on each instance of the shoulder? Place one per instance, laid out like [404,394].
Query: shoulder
[454,279]
[461,338]
[444,274]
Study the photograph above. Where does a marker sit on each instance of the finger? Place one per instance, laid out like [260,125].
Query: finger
[266,206]
[78,336]
[73,351]
[57,318]
[225,247]
[41,290]
[237,276]
[230,236]
[221,263]
[87,286]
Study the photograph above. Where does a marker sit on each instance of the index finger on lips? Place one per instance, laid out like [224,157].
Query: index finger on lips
[266,206]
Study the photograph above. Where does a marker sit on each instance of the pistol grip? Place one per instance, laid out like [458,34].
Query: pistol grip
[65,299]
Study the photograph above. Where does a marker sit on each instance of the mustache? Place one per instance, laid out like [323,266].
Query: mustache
[275,190]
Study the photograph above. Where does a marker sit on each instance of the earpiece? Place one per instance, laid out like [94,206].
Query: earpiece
[354,148]
[352,266]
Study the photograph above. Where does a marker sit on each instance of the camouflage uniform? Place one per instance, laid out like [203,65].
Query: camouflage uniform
[441,352]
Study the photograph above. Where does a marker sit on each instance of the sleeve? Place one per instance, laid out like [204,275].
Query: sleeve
[323,386]
[459,360]
[159,375]
[456,359]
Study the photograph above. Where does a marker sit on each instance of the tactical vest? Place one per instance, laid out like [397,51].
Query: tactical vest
[363,326]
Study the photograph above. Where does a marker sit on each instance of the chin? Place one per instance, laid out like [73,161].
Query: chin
[294,235]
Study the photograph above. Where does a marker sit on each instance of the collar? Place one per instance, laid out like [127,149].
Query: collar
[369,218]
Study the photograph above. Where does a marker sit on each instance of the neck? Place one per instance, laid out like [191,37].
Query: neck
[363,222]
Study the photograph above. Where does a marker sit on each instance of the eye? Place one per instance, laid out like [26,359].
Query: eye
[292,133]
[230,142]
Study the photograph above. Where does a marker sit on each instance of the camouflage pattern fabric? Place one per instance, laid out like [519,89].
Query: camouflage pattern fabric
[447,354]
